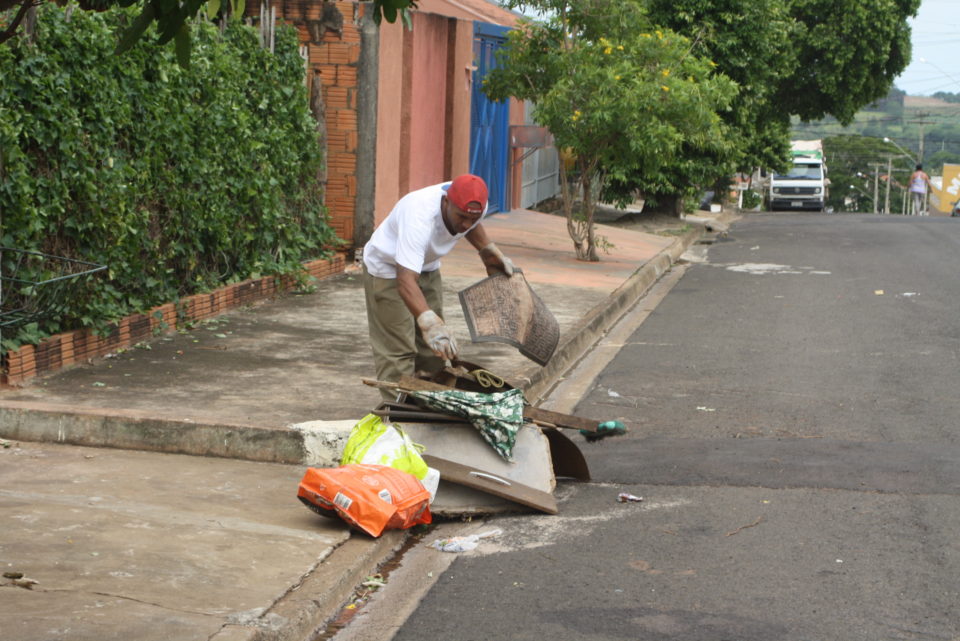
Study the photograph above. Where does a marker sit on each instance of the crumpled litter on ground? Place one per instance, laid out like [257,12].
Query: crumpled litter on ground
[464,543]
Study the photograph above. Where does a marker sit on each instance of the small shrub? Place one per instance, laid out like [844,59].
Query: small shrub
[751,199]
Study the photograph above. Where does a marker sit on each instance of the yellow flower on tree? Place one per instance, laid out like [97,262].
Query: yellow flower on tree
[665,72]
[665,87]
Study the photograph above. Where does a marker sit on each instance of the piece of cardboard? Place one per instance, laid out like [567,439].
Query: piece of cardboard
[462,443]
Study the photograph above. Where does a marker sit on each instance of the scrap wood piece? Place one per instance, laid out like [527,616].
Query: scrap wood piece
[408,415]
[492,484]
[566,457]
[549,418]
[541,417]
[744,527]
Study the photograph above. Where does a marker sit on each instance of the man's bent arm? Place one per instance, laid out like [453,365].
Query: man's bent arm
[408,286]
[478,237]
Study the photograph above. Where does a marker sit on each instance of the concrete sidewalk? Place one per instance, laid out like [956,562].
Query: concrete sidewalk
[151,544]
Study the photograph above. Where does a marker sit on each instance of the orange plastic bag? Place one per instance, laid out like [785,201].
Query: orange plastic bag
[372,498]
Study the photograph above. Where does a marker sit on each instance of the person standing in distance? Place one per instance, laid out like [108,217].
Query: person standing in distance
[401,274]
[919,181]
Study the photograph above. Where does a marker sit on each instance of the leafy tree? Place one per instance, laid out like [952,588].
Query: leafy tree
[746,41]
[169,16]
[849,53]
[852,174]
[621,97]
[808,58]
[933,163]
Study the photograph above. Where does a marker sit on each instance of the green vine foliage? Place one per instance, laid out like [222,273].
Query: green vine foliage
[179,180]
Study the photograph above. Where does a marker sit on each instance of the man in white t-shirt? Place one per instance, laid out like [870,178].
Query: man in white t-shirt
[401,277]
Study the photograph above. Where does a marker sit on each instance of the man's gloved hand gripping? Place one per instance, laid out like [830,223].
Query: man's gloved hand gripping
[437,335]
[495,261]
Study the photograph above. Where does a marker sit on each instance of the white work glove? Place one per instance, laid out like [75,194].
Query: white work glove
[437,335]
[495,261]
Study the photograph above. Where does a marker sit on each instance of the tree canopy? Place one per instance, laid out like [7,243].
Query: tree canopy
[786,58]
[848,52]
[746,41]
[858,164]
[169,17]
[622,96]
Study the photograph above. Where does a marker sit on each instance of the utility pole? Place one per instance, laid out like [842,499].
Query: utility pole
[921,122]
[876,185]
[886,200]
[920,152]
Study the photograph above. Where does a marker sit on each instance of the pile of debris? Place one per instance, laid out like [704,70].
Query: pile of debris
[466,436]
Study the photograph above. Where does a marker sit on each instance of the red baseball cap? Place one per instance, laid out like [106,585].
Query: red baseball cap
[469,193]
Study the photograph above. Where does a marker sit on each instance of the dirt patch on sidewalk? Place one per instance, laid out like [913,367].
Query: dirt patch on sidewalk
[633,218]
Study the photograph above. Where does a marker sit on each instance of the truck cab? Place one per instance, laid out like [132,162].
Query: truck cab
[804,185]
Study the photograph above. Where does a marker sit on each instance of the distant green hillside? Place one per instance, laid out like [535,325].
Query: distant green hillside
[903,119]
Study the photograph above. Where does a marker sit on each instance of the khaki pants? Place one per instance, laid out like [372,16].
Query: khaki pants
[398,348]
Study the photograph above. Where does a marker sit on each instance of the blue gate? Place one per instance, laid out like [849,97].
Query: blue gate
[489,121]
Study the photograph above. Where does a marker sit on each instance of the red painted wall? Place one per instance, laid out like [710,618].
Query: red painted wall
[428,100]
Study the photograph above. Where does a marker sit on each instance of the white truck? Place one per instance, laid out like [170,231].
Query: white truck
[805,185]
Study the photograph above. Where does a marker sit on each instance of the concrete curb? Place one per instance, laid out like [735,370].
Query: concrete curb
[309,606]
[133,431]
[316,443]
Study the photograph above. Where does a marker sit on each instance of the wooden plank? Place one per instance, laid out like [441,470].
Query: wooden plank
[492,484]
[556,419]
[566,457]
[420,385]
[408,415]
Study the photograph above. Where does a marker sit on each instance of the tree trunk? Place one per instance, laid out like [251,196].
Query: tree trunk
[671,205]
[568,197]
[588,209]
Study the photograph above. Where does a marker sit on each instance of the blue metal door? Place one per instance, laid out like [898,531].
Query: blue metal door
[489,121]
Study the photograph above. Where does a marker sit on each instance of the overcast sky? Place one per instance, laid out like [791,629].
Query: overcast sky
[935,65]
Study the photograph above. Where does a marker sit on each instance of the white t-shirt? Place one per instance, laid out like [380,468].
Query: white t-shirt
[412,236]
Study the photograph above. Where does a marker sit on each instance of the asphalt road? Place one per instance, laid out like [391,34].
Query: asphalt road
[793,412]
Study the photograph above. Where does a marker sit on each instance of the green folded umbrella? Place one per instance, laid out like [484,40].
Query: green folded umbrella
[498,416]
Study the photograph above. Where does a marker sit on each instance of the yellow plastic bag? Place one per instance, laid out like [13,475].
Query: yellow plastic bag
[374,442]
